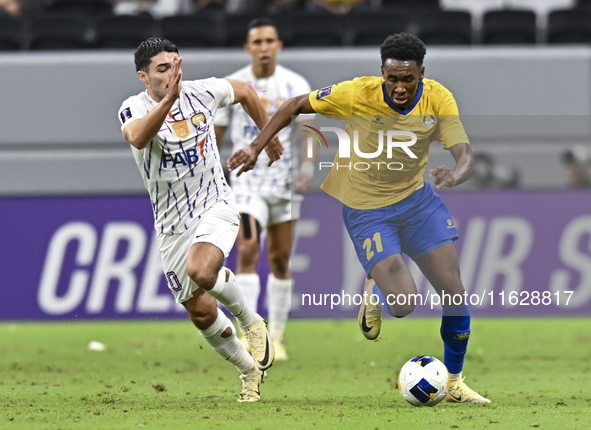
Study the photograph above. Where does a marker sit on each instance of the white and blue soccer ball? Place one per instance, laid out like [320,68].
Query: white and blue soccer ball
[423,381]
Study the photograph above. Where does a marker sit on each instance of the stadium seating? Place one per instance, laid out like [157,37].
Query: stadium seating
[509,27]
[569,26]
[317,30]
[235,29]
[410,6]
[370,29]
[212,28]
[194,31]
[60,33]
[11,34]
[124,31]
[83,8]
[445,28]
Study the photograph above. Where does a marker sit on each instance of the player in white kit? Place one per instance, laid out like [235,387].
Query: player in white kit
[265,197]
[170,129]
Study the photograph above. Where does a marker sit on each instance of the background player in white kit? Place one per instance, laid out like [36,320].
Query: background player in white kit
[170,128]
[264,196]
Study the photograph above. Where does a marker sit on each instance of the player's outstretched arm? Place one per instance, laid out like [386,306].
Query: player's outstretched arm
[304,176]
[245,94]
[444,177]
[280,119]
[140,132]
[252,105]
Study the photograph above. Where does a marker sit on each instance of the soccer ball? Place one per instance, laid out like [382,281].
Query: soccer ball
[423,381]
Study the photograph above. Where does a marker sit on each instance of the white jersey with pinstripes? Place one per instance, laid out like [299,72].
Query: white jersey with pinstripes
[273,91]
[181,165]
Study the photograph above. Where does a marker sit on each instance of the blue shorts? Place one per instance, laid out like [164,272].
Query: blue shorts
[415,226]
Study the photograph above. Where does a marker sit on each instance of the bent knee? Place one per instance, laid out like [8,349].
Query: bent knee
[206,279]
[279,263]
[401,311]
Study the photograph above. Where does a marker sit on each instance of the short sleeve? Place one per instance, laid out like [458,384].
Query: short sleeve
[221,90]
[333,100]
[451,129]
[130,110]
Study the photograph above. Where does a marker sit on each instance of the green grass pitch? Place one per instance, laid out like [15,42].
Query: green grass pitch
[163,375]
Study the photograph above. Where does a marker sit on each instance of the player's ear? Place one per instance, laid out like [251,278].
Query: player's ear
[143,77]
[422,73]
[279,45]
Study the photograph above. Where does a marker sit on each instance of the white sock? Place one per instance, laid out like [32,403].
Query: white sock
[250,284]
[455,377]
[279,297]
[230,348]
[229,295]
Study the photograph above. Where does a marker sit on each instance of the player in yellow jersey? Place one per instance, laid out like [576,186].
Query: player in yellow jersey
[387,207]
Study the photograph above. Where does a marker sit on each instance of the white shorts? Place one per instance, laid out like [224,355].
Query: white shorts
[218,226]
[268,210]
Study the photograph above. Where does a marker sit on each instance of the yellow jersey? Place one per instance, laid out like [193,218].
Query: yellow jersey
[382,167]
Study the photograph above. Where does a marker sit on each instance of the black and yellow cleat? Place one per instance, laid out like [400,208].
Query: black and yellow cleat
[370,315]
[251,387]
[261,347]
[459,392]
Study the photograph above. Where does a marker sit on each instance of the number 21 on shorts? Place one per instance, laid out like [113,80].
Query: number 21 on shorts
[367,245]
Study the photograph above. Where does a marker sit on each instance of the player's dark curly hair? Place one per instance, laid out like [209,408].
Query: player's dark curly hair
[403,47]
[150,48]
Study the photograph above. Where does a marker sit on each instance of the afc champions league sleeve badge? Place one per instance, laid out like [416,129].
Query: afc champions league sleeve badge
[324,92]
[429,119]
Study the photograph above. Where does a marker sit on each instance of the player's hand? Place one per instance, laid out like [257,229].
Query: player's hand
[301,183]
[274,149]
[443,177]
[175,78]
[245,157]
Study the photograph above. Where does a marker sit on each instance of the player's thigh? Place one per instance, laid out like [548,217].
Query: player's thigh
[212,241]
[249,235]
[393,277]
[426,224]
[174,250]
[441,267]
[374,239]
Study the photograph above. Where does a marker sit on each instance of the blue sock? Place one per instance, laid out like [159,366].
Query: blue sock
[455,332]
[382,299]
